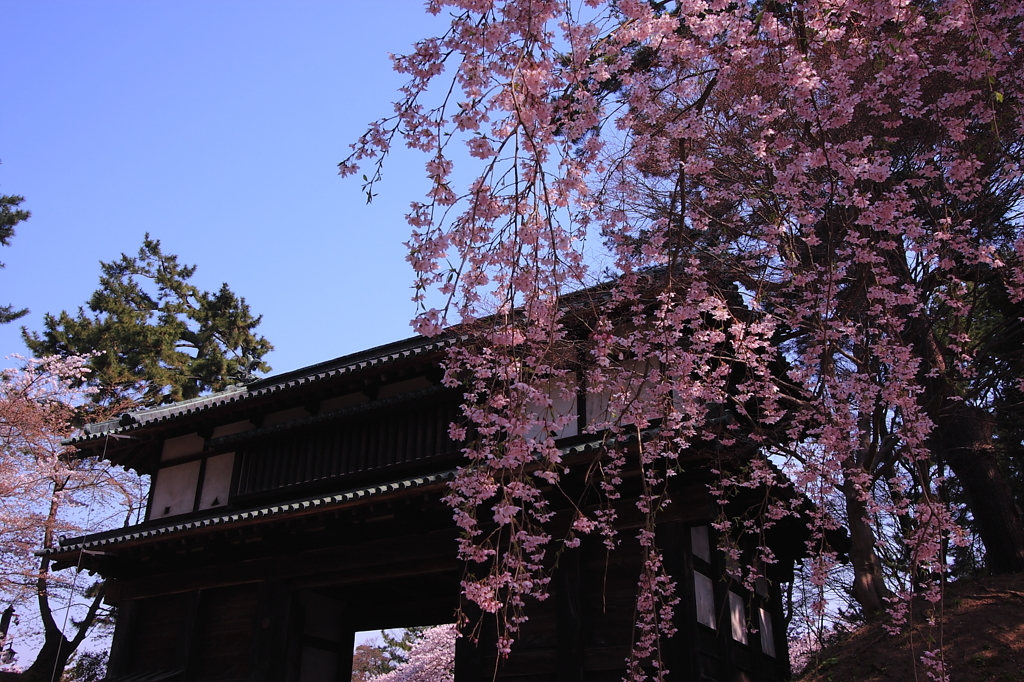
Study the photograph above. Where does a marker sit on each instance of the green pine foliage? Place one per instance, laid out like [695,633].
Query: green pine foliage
[397,648]
[372,659]
[10,216]
[86,666]
[157,338]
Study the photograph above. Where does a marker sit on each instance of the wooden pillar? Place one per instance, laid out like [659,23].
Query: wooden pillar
[191,632]
[677,651]
[121,644]
[781,662]
[293,624]
[270,633]
[570,640]
[347,644]
[690,631]
[468,664]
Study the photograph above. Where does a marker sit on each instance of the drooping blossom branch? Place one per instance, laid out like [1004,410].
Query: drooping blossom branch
[806,219]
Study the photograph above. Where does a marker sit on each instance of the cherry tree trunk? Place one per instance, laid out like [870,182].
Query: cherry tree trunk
[868,583]
[51,661]
[964,438]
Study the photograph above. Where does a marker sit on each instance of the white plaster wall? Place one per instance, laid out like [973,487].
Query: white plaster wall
[217,481]
[563,403]
[738,617]
[630,379]
[700,541]
[704,590]
[767,634]
[175,490]
[597,407]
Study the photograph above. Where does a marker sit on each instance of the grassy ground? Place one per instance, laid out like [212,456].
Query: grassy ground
[979,627]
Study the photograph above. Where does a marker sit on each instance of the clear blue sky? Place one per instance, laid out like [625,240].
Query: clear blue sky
[217,127]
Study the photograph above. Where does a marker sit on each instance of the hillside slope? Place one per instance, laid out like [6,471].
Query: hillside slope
[981,632]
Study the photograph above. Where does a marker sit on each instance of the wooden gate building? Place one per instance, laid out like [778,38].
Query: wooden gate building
[290,513]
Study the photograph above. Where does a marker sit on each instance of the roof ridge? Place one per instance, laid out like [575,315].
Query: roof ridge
[132,420]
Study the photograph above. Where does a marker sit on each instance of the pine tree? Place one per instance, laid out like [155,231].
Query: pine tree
[397,649]
[10,215]
[155,336]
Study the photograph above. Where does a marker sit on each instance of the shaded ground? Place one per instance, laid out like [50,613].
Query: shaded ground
[981,636]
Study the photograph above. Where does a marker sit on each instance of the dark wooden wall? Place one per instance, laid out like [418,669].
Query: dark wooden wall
[365,441]
[219,620]
[220,616]
[584,632]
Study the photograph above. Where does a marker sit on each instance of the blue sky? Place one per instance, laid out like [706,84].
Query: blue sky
[216,127]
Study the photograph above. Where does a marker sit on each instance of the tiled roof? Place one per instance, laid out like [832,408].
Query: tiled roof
[97,543]
[374,357]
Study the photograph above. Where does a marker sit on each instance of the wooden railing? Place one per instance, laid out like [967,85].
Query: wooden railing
[363,440]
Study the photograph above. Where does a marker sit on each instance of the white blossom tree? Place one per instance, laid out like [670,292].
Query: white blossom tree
[47,492]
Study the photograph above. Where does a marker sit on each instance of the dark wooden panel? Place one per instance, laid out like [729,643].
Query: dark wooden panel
[357,444]
[532,664]
[225,630]
[570,635]
[267,652]
[155,642]
[608,658]
[609,582]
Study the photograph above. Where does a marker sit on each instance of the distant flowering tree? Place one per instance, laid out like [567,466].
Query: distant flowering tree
[431,658]
[368,662]
[808,217]
[48,492]
[375,657]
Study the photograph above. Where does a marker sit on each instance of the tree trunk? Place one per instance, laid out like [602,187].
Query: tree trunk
[963,438]
[868,584]
[51,661]
[57,649]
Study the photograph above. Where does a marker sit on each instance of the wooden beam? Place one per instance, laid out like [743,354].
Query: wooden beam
[390,557]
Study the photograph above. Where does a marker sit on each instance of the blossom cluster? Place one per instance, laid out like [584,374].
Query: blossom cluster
[47,492]
[785,224]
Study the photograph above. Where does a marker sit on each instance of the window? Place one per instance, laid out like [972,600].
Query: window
[202,483]
[701,543]
[738,617]
[704,590]
[767,634]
